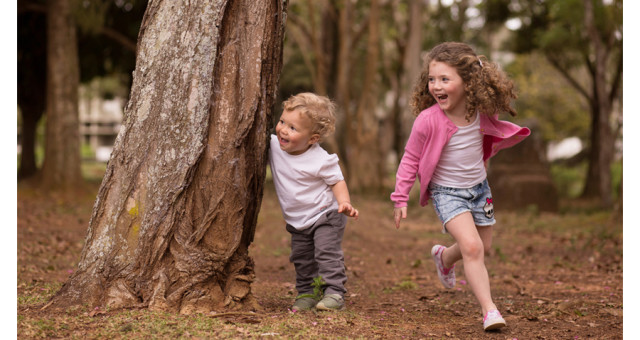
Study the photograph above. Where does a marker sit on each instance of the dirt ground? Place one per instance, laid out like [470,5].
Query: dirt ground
[553,276]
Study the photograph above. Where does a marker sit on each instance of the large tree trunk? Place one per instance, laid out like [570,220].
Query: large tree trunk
[177,208]
[61,167]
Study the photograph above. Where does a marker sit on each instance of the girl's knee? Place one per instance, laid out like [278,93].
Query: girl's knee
[474,250]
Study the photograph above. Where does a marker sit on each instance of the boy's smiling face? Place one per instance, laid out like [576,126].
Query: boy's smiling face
[294,131]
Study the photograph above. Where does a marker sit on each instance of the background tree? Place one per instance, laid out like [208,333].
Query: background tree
[401,58]
[61,167]
[578,37]
[177,207]
[32,71]
[542,95]
[363,126]
[340,45]
[108,31]
[106,47]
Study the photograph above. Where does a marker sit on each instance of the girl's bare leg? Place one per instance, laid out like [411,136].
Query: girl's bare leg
[452,254]
[471,242]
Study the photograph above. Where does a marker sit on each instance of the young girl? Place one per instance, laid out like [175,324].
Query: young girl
[456,101]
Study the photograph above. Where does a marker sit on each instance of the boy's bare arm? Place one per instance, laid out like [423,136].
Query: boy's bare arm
[341,192]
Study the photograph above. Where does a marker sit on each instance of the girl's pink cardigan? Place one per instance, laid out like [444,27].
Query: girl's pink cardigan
[430,133]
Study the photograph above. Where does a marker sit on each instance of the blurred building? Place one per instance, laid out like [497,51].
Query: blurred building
[100,121]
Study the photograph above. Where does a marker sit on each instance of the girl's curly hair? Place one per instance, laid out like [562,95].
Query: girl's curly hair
[487,88]
[321,110]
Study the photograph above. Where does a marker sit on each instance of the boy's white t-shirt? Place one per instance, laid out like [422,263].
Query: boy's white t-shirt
[303,183]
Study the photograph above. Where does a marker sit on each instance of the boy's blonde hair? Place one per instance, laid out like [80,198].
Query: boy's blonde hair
[487,89]
[320,109]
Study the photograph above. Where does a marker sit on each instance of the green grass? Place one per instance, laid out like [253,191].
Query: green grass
[37,293]
[569,181]
[145,324]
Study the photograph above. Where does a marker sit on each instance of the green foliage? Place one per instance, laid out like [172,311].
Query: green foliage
[616,178]
[317,284]
[543,96]
[86,151]
[569,181]
[90,15]
[556,28]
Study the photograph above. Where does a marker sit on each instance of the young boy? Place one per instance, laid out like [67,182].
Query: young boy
[313,196]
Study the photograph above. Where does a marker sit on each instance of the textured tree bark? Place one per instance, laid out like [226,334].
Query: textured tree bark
[366,168]
[598,183]
[61,167]
[178,205]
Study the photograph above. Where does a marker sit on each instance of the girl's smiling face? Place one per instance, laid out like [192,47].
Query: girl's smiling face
[447,87]
[294,131]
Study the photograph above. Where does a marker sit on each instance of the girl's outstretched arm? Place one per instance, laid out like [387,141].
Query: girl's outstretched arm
[399,214]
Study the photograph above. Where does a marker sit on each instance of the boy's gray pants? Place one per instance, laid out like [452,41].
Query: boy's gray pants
[317,251]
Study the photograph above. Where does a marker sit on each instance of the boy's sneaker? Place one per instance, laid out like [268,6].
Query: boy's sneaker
[331,302]
[446,275]
[303,303]
[493,320]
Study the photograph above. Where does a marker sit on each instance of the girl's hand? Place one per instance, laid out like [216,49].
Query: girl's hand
[347,209]
[399,214]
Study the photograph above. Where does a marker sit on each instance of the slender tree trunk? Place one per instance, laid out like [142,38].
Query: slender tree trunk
[28,165]
[32,78]
[177,208]
[411,66]
[364,166]
[598,183]
[61,167]
[343,85]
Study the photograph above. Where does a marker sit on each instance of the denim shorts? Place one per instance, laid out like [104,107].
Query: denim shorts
[451,202]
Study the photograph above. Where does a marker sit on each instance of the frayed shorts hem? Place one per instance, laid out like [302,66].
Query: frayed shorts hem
[444,224]
[450,202]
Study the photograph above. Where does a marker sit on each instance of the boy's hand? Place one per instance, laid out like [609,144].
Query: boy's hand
[347,209]
[399,214]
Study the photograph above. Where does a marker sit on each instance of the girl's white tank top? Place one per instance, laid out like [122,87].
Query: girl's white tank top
[460,164]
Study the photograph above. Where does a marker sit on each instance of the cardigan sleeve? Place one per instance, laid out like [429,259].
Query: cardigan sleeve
[408,168]
[500,135]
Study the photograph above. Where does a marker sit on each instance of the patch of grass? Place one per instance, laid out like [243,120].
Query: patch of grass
[35,294]
[500,254]
[405,284]
[281,251]
[142,323]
